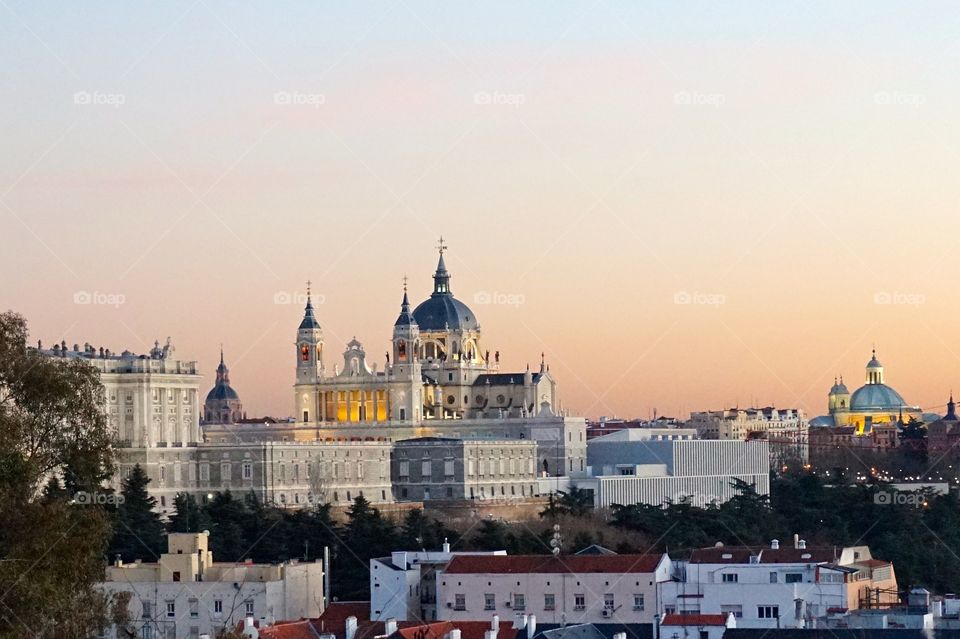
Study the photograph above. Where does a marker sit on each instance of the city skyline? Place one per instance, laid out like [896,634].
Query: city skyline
[683,210]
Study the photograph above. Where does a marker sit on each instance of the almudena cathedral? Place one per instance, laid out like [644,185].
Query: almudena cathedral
[440,420]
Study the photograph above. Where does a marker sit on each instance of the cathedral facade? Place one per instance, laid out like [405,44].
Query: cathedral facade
[437,370]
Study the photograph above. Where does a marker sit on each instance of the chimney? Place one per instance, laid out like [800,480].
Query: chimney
[390,626]
[531,626]
[350,629]
[446,545]
[454,634]
[802,544]
[521,622]
[775,544]
[619,635]
[249,629]
[399,559]
[490,634]
[796,540]
[495,623]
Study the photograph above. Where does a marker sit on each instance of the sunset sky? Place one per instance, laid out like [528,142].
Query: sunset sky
[686,206]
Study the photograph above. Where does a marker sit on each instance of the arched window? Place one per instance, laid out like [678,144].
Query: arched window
[305,353]
[402,351]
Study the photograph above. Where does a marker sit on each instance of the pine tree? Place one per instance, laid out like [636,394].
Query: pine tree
[138,530]
[188,516]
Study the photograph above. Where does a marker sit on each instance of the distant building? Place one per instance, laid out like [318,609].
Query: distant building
[785,429]
[653,466]
[185,594]
[943,435]
[432,468]
[222,405]
[570,589]
[403,586]
[607,425]
[872,404]
[778,587]
[150,400]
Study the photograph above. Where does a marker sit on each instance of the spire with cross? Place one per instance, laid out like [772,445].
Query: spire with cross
[441,246]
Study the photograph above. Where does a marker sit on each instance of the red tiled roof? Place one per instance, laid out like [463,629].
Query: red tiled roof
[468,630]
[520,564]
[694,620]
[289,630]
[872,563]
[425,631]
[476,629]
[334,617]
[741,555]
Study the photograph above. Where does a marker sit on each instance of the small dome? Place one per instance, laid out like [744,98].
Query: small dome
[874,362]
[222,391]
[876,397]
[839,388]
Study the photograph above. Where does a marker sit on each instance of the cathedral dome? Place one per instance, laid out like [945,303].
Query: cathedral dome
[442,311]
[876,397]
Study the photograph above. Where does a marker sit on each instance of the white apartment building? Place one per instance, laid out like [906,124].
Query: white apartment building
[776,587]
[566,589]
[652,466]
[403,586]
[185,594]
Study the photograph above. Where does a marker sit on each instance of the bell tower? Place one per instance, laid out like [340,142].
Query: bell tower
[405,369]
[309,346]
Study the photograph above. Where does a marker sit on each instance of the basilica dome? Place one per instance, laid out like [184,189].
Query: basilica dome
[442,311]
[874,397]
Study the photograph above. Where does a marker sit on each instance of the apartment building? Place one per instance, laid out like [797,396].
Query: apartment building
[565,589]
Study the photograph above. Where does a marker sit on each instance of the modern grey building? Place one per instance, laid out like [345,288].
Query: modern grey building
[653,466]
[431,468]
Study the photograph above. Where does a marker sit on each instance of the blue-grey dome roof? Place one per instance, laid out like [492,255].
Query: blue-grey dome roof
[222,391]
[442,312]
[839,389]
[874,362]
[876,397]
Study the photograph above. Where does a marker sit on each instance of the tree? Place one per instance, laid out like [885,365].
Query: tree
[188,516]
[577,502]
[51,547]
[366,535]
[138,531]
